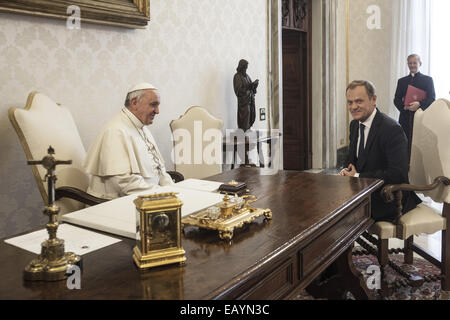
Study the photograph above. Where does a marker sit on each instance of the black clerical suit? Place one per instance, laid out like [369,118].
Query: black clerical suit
[384,157]
[406,118]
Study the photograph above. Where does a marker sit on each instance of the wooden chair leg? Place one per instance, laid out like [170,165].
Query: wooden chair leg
[445,251]
[408,253]
[383,257]
[445,261]
[383,251]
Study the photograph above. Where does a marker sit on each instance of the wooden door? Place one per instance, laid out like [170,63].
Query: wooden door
[295,100]
[296,40]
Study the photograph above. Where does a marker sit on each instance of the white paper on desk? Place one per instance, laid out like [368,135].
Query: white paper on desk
[201,185]
[118,216]
[77,240]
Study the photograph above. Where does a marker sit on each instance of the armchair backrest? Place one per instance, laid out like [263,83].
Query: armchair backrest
[42,123]
[430,151]
[197,137]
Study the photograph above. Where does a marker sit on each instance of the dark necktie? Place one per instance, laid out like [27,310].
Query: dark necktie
[361,140]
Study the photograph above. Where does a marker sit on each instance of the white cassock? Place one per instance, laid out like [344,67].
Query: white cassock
[124,159]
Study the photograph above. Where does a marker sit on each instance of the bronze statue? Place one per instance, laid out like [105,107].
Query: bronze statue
[245,91]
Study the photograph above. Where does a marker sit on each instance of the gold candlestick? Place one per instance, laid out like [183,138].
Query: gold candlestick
[53,262]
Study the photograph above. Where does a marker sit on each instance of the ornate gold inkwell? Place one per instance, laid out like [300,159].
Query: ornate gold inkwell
[158,230]
[53,262]
[225,217]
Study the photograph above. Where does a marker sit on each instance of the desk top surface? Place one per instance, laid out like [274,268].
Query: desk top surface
[301,203]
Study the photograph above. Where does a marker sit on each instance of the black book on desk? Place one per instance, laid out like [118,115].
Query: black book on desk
[233,187]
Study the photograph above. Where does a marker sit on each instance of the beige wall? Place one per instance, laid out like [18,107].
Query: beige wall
[190,50]
[369,50]
[368,55]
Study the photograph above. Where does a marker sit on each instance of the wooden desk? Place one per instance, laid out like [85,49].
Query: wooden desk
[316,219]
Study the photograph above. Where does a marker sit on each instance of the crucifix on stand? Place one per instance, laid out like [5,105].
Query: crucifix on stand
[53,262]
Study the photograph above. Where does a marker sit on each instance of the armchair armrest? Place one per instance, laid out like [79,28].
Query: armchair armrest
[176,176]
[387,193]
[77,194]
[86,198]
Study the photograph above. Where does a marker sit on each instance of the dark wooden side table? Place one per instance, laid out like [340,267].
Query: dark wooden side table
[241,144]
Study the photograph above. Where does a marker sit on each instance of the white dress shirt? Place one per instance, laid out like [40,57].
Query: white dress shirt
[367,124]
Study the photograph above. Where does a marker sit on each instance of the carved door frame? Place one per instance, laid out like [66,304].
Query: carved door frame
[323,84]
[275,72]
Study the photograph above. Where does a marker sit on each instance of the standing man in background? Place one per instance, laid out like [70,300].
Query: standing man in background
[420,81]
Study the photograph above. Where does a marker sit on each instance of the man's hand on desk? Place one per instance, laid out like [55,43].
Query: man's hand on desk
[350,171]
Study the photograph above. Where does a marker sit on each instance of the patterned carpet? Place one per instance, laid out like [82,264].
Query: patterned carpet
[421,267]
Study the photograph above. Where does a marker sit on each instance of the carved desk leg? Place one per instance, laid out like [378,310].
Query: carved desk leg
[355,280]
[341,277]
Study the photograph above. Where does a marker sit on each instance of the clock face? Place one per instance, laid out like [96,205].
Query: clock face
[162,231]
[160,222]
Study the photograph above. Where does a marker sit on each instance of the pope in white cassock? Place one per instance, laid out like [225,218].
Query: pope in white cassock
[124,157]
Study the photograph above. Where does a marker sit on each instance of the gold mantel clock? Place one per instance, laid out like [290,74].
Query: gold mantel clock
[158,230]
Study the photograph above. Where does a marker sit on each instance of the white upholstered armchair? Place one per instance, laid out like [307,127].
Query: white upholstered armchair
[197,137]
[43,123]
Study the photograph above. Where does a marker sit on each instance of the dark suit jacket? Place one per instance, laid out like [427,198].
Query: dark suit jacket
[420,81]
[384,157]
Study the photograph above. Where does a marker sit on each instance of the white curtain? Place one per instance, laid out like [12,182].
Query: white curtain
[440,47]
[411,34]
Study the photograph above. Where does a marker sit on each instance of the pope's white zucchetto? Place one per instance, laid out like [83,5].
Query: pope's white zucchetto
[142,86]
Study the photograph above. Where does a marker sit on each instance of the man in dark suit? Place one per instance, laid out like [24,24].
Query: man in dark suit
[378,148]
[418,80]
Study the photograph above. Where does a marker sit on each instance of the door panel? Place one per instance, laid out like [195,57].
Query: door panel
[295,100]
